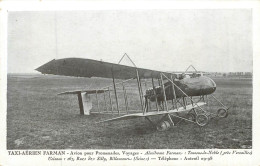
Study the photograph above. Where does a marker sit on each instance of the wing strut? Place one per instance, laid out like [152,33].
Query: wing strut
[174,94]
[110,100]
[139,89]
[157,107]
[105,99]
[125,97]
[164,95]
[98,101]
[117,105]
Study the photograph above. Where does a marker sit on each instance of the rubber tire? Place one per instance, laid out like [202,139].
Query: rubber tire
[225,113]
[163,126]
[192,116]
[202,116]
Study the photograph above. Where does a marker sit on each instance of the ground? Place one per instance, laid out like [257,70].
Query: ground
[39,119]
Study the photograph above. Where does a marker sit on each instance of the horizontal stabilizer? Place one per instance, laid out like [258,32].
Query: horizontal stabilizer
[91,91]
[137,115]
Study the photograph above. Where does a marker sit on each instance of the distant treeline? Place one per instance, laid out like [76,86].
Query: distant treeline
[231,74]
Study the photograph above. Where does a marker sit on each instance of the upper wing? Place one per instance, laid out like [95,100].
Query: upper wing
[91,68]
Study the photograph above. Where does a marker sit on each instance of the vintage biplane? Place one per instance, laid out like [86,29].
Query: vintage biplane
[175,94]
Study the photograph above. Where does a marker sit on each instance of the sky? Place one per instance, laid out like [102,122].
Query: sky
[214,40]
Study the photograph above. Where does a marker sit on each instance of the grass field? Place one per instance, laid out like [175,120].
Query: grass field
[39,119]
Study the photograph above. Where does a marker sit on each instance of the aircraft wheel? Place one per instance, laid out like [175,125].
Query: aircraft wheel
[222,113]
[163,126]
[191,116]
[202,120]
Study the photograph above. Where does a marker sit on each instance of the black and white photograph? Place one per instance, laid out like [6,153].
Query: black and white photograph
[120,79]
[132,79]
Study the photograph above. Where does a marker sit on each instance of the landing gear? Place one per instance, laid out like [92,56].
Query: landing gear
[191,116]
[163,126]
[222,113]
[202,119]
